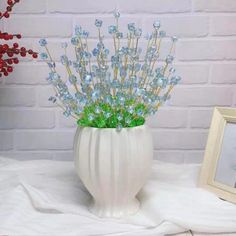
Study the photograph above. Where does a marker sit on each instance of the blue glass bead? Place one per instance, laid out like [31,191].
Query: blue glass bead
[162,34]
[107,115]
[112,29]
[98,23]
[72,79]
[139,91]
[78,30]
[87,79]
[122,100]
[83,101]
[128,120]
[56,76]
[160,82]
[95,52]
[130,109]
[79,110]
[64,60]
[175,80]
[169,59]
[139,112]
[78,95]
[64,45]
[131,27]
[51,64]
[44,56]
[74,41]
[119,35]
[137,67]
[67,113]
[174,39]
[157,24]
[52,99]
[85,34]
[90,117]
[108,99]
[100,46]
[97,110]
[95,95]
[106,51]
[42,42]
[123,72]
[116,14]
[138,32]
[119,117]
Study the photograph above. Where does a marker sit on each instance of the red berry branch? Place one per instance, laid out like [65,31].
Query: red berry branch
[9,53]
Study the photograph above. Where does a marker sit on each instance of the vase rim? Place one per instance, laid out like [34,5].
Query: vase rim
[125,128]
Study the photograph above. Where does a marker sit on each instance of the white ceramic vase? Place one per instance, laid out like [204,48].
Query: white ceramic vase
[113,165]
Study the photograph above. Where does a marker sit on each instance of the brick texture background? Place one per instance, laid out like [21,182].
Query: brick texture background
[31,128]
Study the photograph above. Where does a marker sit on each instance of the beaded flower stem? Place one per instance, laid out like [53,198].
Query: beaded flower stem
[120,95]
[53,70]
[146,81]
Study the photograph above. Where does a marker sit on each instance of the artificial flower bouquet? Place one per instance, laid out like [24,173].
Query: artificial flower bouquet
[118,90]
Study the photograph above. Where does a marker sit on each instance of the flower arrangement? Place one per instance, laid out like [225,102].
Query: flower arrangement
[9,53]
[117,91]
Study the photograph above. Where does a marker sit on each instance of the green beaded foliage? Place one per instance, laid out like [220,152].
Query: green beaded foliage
[103,115]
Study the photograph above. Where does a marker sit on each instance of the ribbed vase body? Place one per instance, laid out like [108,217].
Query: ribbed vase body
[113,165]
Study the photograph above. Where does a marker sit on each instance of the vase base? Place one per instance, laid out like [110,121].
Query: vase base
[104,211]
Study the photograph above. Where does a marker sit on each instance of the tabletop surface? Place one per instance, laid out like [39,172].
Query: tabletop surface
[43,197]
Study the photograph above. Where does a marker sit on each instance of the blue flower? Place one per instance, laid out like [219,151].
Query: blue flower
[44,56]
[78,30]
[112,29]
[157,24]
[131,27]
[98,23]
[43,42]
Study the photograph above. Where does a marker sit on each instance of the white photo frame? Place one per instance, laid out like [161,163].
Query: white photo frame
[218,172]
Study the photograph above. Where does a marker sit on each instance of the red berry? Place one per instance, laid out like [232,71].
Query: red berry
[6,37]
[15,45]
[10,69]
[35,55]
[5,47]
[10,54]
[23,54]
[6,14]
[15,60]
[9,8]
[9,61]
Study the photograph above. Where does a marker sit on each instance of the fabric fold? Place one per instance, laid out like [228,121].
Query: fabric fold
[44,197]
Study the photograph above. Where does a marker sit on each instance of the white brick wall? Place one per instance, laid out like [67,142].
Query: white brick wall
[32,128]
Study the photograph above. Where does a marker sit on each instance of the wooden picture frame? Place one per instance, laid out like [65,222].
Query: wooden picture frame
[214,152]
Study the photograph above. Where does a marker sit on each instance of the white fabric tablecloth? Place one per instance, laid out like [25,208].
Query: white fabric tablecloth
[46,198]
